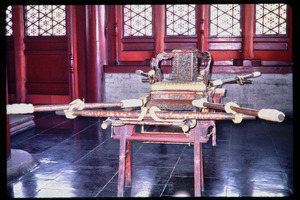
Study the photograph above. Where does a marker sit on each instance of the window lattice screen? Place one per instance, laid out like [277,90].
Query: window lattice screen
[271,19]
[181,20]
[137,20]
[225,20]
[45,20]
[9,23]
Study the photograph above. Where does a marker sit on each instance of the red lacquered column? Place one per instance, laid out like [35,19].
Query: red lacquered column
[96,51]
[159,28]
[247,33]
[18,30]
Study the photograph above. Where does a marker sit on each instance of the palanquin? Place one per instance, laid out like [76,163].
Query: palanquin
[179,109]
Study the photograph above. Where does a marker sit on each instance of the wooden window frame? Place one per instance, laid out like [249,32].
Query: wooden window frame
[137,48]
[232,36]
[224,49]
[272,35]
[42,36]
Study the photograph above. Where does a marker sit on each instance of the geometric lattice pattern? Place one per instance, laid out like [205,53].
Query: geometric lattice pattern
[225,20]
[181,19]
[9,23]
[271,19]
[137,20]
[45,20]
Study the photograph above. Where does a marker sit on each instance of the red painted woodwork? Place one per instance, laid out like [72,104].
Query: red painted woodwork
[202,27]
[111,33]
[143,44]
[39,71]
[47,99]
[195,136]
[47,59]
[179,43]
[144,52]
[96,51]
[19,58]
[10,66]
[47,68]
[247,33]
[72,52]
[159,28]
[81,51]
[222,49]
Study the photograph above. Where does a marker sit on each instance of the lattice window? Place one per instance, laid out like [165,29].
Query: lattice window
[271,19]
[45,20]
[181,20]
[225,20]
[137,20]
[9,23]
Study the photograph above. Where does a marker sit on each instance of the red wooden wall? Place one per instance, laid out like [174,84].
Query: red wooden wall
[59,69]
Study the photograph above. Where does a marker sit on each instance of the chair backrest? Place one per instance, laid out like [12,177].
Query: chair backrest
[185,64]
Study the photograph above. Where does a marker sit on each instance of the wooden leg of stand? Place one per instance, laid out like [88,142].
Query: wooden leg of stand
[121,178]
[214,136]
[197,170]
[128,165]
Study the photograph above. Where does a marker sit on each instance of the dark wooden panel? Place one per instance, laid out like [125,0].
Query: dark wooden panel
[137,44]
[11,87]
[279,46]
[47,88]
[213,46]
[171,46]
[47,68]
[47,99]
[46,44]
[177,42]
[10,70]
[46,65]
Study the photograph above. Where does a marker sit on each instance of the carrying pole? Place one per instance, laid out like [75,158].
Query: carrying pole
[23,108]
[231,107]
[161,115]
[238,79]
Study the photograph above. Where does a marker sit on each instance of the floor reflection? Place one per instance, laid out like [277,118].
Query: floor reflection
[78,159]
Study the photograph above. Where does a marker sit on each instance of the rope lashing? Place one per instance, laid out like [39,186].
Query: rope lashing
[240,80]
[76,104]
[238,117]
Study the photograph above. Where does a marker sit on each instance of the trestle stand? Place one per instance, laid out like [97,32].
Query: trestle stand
[196,136]
[124,158]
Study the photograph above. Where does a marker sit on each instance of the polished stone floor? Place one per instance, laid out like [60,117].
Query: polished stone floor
[78,159]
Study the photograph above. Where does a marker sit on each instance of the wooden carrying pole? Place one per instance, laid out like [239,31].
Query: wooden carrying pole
[266,114]
[239,79]
[23,108]
[160,115]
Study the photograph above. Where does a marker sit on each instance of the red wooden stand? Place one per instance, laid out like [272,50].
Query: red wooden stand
[195,136]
